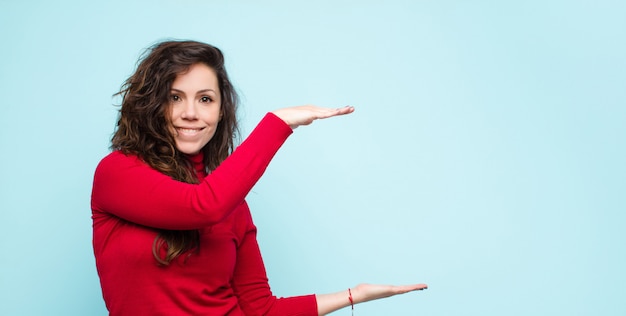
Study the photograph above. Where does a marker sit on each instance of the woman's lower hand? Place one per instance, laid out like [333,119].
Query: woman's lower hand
[368,292]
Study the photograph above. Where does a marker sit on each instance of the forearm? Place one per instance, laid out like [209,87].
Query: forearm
[328,303]
[128,188]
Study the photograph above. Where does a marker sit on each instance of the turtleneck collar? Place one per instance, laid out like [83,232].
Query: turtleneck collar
[198,164]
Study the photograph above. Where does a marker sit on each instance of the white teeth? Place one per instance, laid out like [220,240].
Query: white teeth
[189,130]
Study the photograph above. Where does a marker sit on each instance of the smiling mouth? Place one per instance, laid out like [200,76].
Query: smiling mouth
[188,131]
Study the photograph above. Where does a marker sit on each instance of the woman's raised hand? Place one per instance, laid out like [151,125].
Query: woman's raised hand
[306,114]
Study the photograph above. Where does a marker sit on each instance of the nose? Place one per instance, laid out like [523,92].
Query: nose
[189,111]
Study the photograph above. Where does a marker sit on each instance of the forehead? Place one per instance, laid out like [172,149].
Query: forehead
[197,77]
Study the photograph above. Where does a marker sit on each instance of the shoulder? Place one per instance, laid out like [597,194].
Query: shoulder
[118,157]
[241,214]
[119,160]
[243,219]
[119,164]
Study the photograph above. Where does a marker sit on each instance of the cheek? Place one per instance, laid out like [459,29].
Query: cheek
[216,115]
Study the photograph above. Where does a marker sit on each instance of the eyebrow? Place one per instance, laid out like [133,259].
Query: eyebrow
[200,91]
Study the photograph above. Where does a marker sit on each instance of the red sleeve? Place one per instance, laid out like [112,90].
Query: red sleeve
[130,189]
[252,288]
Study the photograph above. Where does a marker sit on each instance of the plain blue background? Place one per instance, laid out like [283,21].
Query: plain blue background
[486,156]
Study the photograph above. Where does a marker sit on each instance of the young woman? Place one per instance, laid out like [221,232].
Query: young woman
[172,233]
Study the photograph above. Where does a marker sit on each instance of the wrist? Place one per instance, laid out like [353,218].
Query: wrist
[351,300]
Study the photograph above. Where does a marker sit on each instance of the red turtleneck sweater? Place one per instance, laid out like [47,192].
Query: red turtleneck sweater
[226,276]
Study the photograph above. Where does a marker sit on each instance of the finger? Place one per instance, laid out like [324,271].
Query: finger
[345,110]
[335,112]
[412,287]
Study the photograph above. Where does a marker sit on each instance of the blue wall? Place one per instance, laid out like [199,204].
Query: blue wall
[486,156]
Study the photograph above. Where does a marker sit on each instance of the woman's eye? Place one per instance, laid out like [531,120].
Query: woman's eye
[205,99]
[175,98]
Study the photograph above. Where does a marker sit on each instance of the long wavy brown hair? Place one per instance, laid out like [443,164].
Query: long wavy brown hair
[143,128]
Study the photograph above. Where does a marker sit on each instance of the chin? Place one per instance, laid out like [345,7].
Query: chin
[189,150]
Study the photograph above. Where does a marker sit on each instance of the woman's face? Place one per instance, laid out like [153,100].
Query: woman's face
[194,108]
